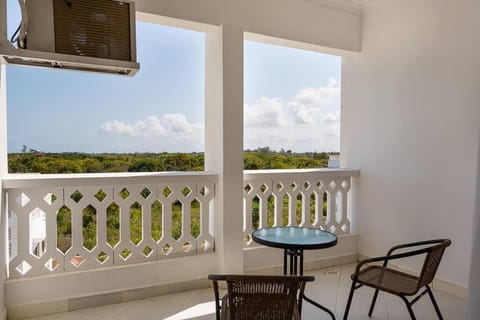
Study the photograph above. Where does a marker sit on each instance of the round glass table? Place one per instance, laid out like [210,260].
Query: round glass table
[293,240]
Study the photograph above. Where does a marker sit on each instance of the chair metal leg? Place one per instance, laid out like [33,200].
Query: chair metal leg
[349,302]
[375,295]
[434,302]
[409,308]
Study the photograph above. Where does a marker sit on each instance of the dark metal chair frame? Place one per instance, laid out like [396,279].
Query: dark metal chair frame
[377,277]
[260,297]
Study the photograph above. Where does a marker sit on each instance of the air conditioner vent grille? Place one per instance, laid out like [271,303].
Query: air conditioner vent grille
[93,28]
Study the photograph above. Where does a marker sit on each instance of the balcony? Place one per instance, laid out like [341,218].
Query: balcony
[409,123]
[46,280]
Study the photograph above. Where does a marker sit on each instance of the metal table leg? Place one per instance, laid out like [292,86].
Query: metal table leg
[294,255]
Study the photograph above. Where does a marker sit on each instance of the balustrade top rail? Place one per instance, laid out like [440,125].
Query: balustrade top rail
[300,173]
[29,180]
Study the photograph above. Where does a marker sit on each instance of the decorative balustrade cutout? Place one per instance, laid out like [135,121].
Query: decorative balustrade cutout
[63,229]
[309,198]
[89,223]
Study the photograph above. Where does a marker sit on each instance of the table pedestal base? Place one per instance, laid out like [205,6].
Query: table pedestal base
[292,256]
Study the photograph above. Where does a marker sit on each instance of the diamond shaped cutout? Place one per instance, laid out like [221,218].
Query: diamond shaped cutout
[167,192]
[204,191]
[248,188]
[23,268]
[125,254]
[102,257]
[293,186]
[167,249]
[205,245]
[52,264]
[124,194]
[147,251]
[344,184]
[50,198]
[145,193]
[279,187]
[263,188]
[22,199]
[76,196]
[319,184]
[77,261]
[187,247]
[332,185]
[186,191]
[100,195]
[306,185]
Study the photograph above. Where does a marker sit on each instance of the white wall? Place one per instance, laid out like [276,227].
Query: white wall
[473,304]
[410,123]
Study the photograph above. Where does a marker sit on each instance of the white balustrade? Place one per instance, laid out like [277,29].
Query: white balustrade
[307,197]
[58,223]
[64,223]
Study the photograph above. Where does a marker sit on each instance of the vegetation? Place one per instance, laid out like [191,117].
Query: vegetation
[33,161]
[73,162]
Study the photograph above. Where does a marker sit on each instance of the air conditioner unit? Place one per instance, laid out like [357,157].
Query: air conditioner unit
[88,35]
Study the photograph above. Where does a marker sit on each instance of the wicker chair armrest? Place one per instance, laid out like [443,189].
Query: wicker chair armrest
[217,277]
[387,258]
[307,278]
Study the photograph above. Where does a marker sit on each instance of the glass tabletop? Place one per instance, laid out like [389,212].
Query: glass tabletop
[294,238]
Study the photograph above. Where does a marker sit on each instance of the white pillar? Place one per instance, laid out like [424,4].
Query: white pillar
[3,164]
[3,171]
[473,303]
[224,140]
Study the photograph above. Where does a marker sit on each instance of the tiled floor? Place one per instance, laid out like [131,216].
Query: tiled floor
[331,287]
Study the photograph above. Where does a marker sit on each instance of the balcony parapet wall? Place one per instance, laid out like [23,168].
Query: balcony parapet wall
[127,205]
[303,197]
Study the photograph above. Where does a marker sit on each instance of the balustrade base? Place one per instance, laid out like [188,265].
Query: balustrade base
[65,305]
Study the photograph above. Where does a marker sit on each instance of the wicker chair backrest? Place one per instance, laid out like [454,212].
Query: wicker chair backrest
[260,298]
[431,263]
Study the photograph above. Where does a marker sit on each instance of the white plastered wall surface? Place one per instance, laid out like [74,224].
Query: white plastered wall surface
[473,303]
[410,122]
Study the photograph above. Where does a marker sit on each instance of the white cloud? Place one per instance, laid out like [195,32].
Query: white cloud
[172,132]
[266,112]
[310,121]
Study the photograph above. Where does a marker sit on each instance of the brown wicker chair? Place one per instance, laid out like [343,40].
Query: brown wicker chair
[259,297]
[400,283]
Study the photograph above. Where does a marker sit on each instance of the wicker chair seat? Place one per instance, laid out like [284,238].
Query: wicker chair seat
[389,280]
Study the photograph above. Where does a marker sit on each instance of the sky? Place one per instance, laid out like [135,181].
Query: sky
[291,100]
